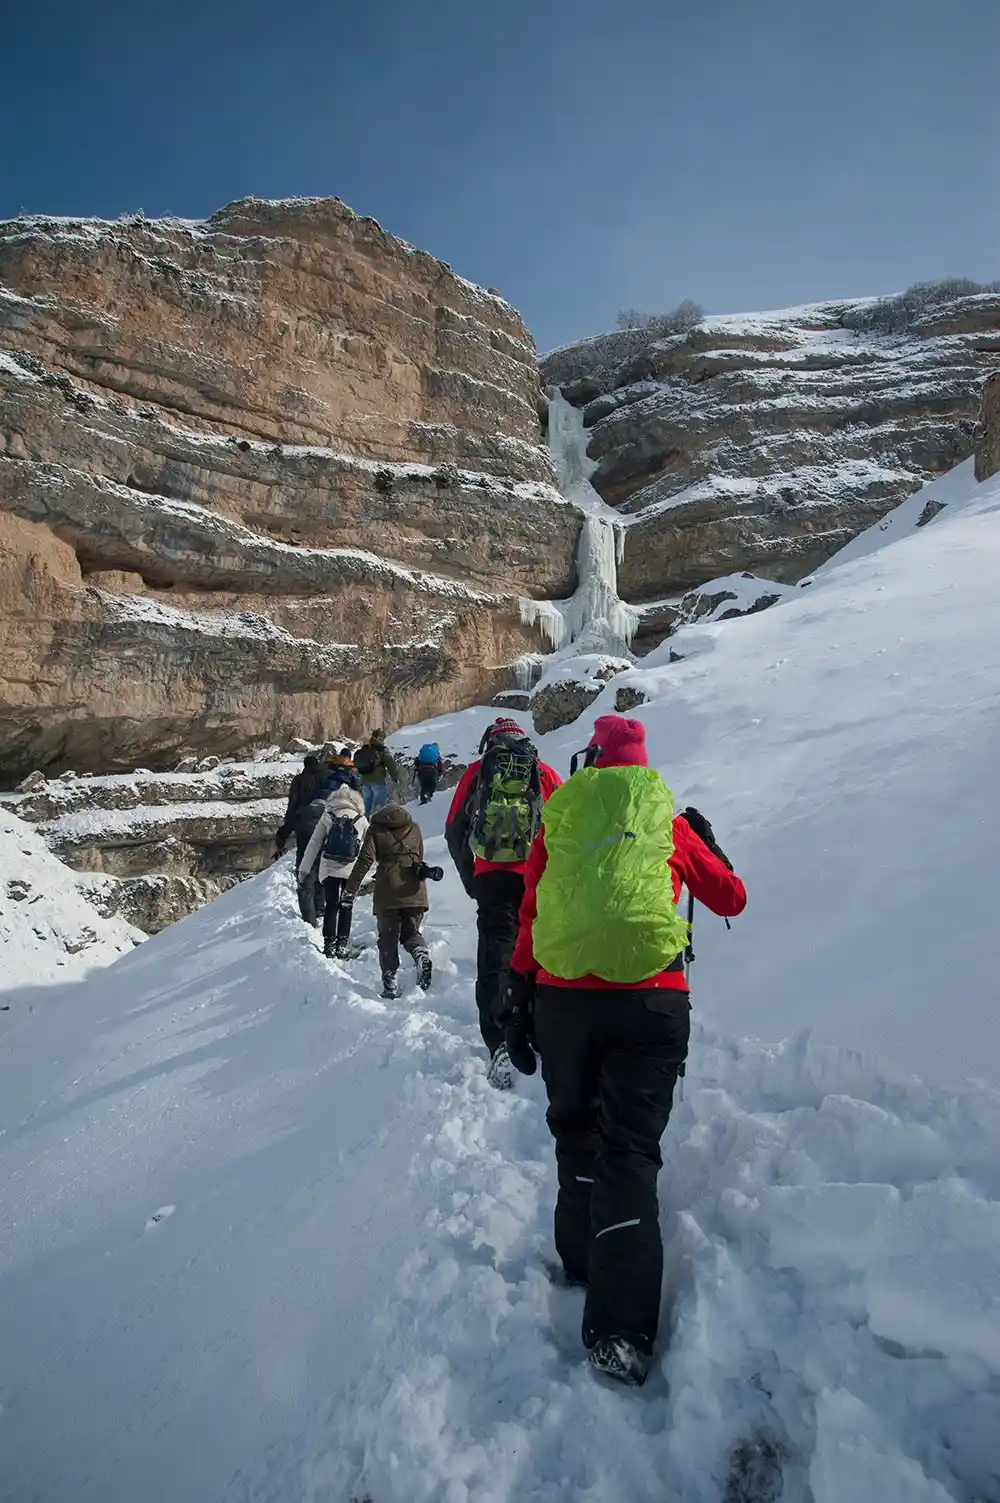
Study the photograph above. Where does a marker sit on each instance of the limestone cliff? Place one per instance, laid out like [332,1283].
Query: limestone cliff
[764,442]
[259,476]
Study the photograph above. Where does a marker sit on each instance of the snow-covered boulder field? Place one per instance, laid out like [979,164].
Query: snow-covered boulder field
[267,1236]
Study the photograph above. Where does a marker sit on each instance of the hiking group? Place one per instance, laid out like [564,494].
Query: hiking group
[344,824]
[582,964]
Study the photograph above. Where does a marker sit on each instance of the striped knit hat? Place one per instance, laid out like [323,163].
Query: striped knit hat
[504,726]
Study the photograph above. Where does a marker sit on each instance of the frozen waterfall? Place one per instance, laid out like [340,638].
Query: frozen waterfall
[594,619]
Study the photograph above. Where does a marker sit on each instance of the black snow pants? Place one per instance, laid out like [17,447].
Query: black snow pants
[427,781]
[312,899]
[610,1060]
[337,914]
[498,899]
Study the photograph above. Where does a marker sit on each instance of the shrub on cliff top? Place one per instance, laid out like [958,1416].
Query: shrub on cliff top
[894,315]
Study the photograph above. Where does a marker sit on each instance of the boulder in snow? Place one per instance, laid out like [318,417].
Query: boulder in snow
[32,782]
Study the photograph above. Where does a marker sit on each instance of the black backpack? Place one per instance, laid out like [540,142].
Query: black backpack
[342,843]
[308,816]
[367,758]
[508,801]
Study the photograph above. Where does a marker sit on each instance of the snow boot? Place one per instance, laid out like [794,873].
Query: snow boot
[342,949]
[614,1357]
[425,970]
[390,986]
[501,1071]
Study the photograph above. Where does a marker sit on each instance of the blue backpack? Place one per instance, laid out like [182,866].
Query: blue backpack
[428,755]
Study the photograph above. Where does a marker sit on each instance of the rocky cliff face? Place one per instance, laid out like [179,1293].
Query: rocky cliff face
[988,429]
[258,476]
[765,442]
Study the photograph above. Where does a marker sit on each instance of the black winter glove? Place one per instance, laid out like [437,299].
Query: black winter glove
[519,1023]
[701,827]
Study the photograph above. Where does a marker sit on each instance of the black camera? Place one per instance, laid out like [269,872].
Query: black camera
[425,873]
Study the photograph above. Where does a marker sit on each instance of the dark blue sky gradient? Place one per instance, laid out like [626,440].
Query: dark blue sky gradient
[581,157]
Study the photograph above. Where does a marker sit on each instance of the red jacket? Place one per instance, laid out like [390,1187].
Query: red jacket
[692,865]
[460,818]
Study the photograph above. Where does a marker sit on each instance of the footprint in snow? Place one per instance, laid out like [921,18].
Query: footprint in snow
[162,1214]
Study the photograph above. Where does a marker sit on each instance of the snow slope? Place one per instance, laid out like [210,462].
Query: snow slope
[269,1238]
[952,491]
[845,744]
[48,929]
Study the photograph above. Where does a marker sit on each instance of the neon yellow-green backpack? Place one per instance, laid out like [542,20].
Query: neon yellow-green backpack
[606,899]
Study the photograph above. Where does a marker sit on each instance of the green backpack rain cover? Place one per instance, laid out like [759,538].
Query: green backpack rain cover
[606,899]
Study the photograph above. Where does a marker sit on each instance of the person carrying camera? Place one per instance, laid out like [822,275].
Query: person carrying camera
[399,902]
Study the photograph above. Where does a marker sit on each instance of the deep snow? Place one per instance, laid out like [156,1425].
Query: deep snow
[267,1237]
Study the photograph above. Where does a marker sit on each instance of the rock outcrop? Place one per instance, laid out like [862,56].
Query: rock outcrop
[273,472]
[765,442]
[153,847]
[570,688]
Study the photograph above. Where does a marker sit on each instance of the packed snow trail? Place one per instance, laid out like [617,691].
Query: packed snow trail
[268,1237]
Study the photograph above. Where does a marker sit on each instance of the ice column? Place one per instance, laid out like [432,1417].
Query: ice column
[594,619]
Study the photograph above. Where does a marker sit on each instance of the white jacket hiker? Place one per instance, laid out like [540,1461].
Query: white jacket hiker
[343,803]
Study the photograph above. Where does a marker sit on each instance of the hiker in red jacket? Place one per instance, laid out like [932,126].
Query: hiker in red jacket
[598,987]
[493,819]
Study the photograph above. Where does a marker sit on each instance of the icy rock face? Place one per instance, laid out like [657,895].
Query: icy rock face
[259,474]
[988,430]
[766,441]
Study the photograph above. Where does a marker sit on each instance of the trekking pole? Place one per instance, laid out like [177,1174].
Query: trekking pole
[689,956]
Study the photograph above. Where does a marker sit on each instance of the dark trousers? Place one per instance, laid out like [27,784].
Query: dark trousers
[398,926]
[337,914]
[427,781]
[312,899]
[498,899]
[610,1060]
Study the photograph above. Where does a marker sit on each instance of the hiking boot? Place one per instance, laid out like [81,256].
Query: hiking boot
[390,986]
[424,969]
[501,1071]
[342,949]
[617,1358]
[329,949]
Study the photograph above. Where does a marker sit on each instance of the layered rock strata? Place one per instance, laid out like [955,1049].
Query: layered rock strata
[262,475]
[765,442]
[153,847]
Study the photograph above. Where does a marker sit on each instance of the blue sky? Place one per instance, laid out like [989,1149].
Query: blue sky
[581,157]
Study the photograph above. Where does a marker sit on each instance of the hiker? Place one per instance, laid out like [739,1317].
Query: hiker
[377,765]
[493,819]
[427,769]
[306,798]
[598,988]
[399,903]
[333,849]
